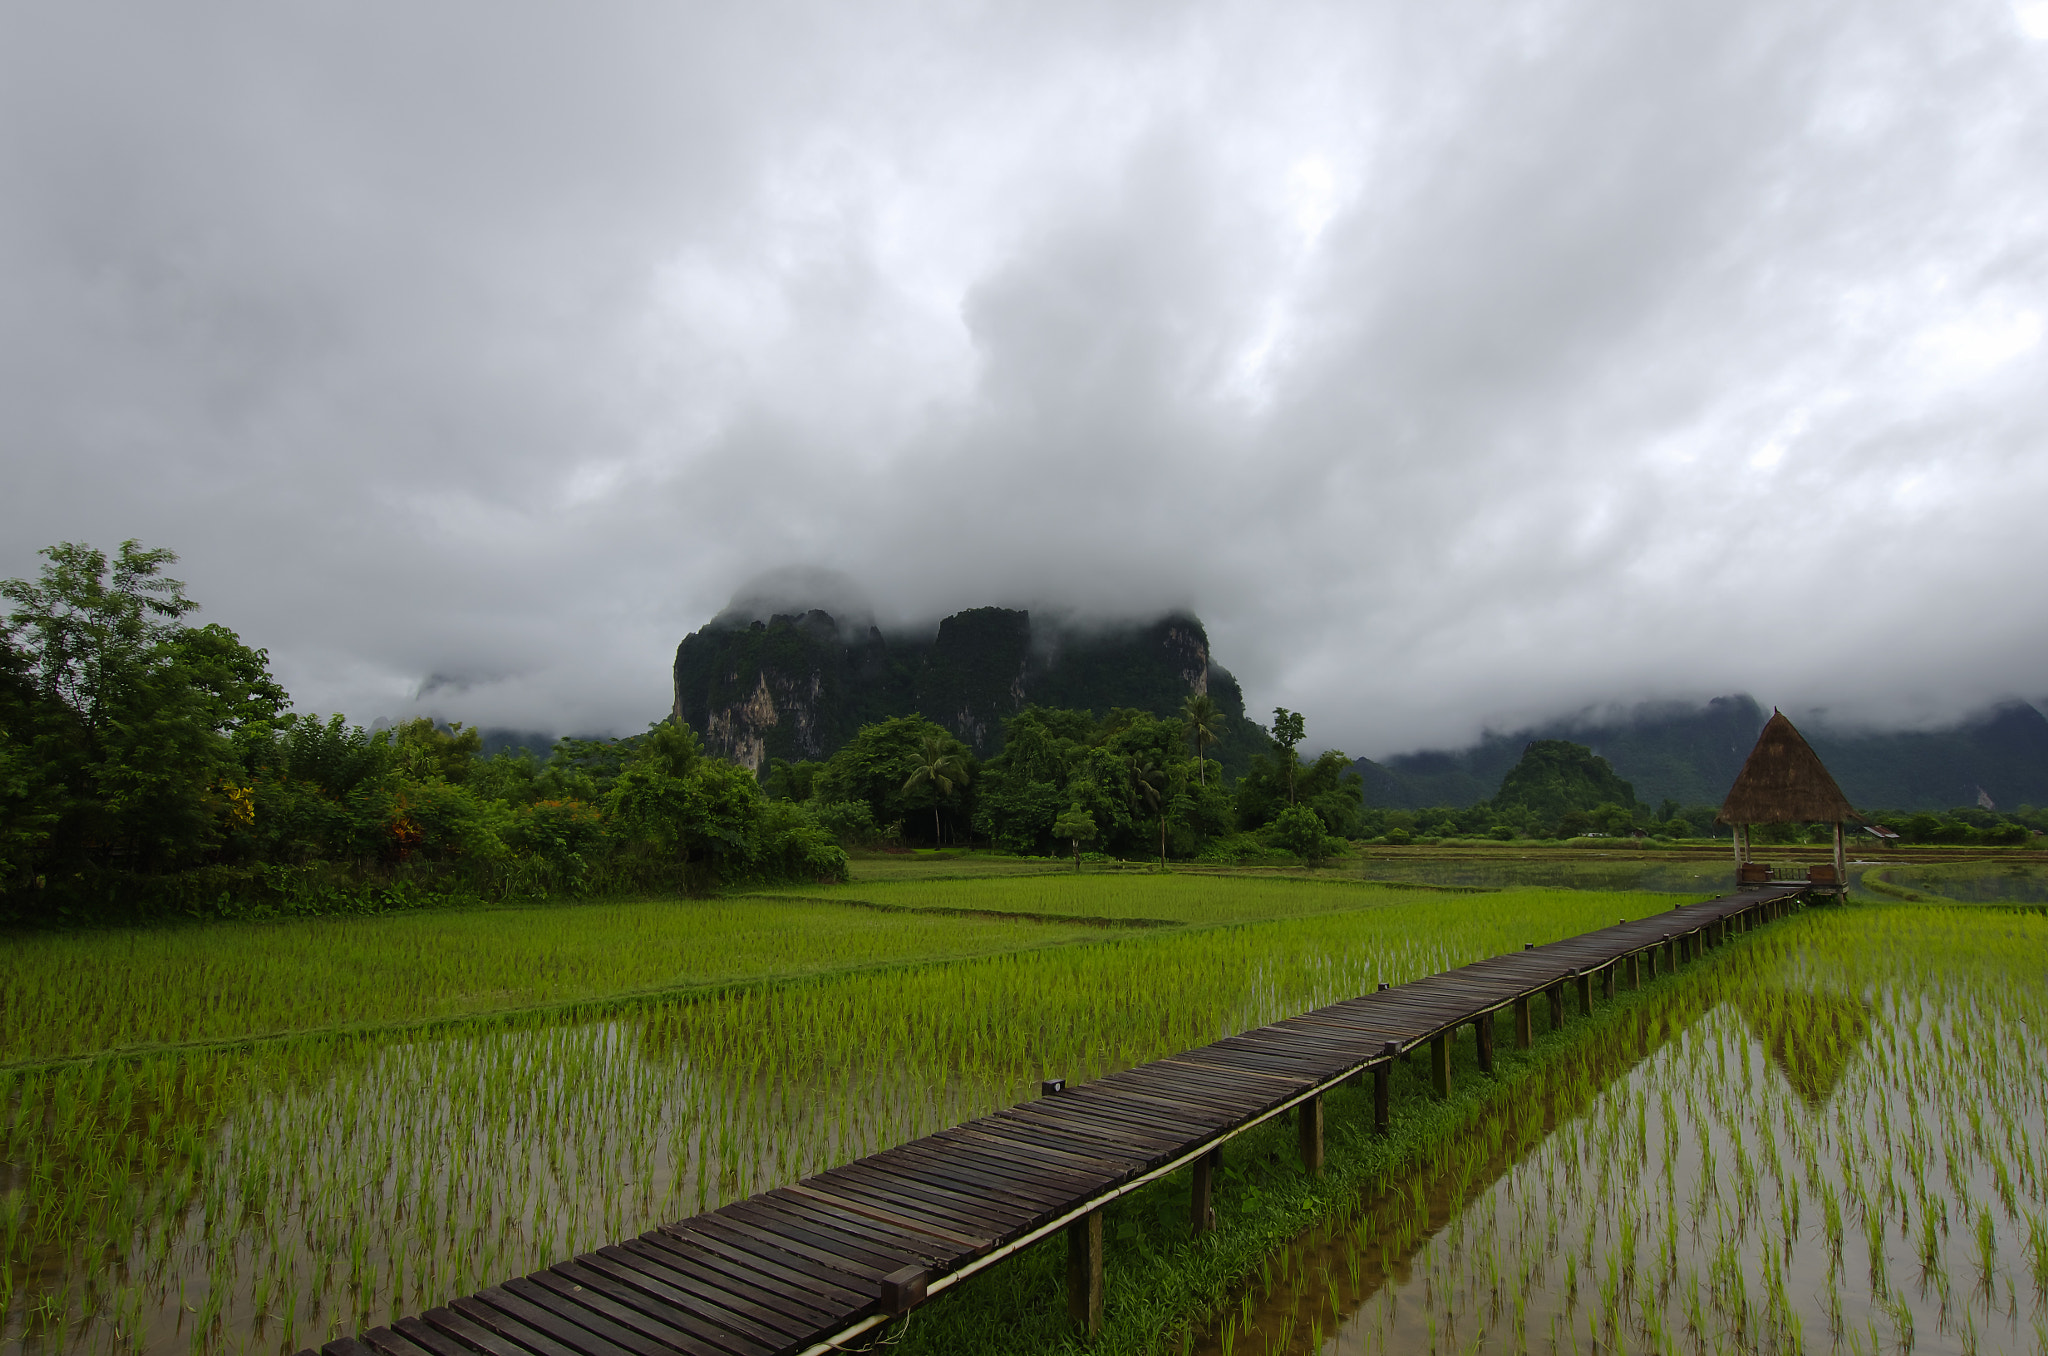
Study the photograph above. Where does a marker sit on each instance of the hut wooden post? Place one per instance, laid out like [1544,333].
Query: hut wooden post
[1841,861]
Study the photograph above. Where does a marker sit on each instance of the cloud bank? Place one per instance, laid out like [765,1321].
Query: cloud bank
[1458,365]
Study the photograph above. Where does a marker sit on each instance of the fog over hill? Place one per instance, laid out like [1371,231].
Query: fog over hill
[1691,755]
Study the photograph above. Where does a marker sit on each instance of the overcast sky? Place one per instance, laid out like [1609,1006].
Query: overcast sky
[1459,363]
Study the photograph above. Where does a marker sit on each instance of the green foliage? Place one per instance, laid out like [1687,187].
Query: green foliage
[1128,774]
[1297,829]
[879,765]
[1329,786]
[1556,777]
[149,766]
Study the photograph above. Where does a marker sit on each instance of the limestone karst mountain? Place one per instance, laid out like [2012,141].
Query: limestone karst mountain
[796,684]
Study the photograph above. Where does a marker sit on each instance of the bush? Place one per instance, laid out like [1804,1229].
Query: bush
[852,822]
[1299,830]
[1237,849]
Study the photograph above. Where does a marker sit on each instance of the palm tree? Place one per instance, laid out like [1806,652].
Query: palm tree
[937,761]
[1205,723]
[1148,783]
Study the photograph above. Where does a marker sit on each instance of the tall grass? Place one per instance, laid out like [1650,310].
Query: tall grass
[272,1196]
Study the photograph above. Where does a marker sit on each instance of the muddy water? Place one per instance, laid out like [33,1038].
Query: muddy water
[1800,1167]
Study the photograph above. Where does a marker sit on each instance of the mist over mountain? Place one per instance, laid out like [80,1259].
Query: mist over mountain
[1691,754]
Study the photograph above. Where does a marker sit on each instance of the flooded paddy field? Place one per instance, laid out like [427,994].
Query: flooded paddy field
[1834,1138]
[267,1194]
[1940,876]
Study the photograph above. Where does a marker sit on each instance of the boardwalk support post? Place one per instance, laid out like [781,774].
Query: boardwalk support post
[1202,1208]
[1084,1272]
[1525,1025]
[1585,986]
[1382,1089]
[1482,1039]
[1607,978]
[1440,1064]
[1556,995]
[1311,1115]
[1635,970]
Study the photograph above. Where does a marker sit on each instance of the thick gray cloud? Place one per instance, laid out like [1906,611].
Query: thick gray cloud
[1459,364]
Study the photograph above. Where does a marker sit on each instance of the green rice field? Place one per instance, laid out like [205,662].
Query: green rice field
[1834,1138]
[268,1194]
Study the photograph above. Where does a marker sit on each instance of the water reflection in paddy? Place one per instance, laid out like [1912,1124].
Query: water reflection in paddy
[1844,1150]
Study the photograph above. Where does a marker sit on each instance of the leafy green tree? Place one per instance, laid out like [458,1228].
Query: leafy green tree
[1147,785]
[1204,722]
[1288,731]
[1075,825]
[786,780]
[124,720]
[427,750]
[1298,830]
[876,763]
[940,764]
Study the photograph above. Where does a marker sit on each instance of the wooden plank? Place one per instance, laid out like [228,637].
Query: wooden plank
[429,1338]
[621,1304]
[385,1342]
[464,1328]
[866,1250]
[639,1268]
[1041,1163]
[769,1266]
[1087,1153]
[612,1271]
[988,1214]
[738,1276]
[1074,1156]
[1002,1180]
[588,1332]
[918,1220]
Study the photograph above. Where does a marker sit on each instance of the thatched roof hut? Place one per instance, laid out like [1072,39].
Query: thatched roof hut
[1784,782]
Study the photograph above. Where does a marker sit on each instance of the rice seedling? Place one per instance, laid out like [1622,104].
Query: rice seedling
[1883,1062]
[278,1192]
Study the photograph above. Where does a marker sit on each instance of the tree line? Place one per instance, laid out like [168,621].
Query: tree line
[149,767]
[1130,783]
[153,767]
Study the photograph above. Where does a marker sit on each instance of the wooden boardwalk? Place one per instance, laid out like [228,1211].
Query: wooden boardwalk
[807,1267]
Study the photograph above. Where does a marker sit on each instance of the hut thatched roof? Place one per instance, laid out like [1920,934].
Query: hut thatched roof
[1784,782]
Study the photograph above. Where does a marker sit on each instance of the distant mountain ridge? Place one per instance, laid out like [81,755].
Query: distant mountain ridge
[1690,754]
[797,685]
